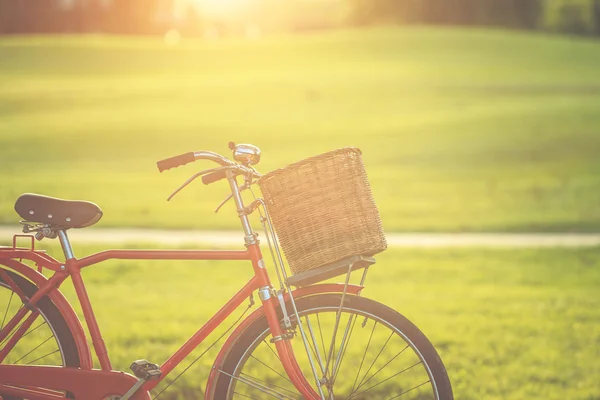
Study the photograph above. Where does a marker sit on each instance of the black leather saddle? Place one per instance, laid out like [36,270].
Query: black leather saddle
[57,212]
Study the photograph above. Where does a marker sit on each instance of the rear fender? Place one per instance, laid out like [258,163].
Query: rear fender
[259,313]
[61,303]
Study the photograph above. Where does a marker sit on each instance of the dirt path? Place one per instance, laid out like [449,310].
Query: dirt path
[233,238]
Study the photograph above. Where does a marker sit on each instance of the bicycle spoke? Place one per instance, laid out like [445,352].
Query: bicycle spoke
[387,379]
[380,357]
[6,312]
[267,384]
[31,330]
[346,348]
[243,395]
[205,351]
[14,329]
[284,377]
[258,386]
[416,387]
[338,319]
[336,372]
[18,334]
[49,354]
[321,332]
[32,334]
[270,348]
[331,394]
[34,349]
[374,361]
[340,354]
[363,358]
[386,364]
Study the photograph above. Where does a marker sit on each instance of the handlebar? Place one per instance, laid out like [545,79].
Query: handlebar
[186,158]
[209,175]
[176,161]
[245,154]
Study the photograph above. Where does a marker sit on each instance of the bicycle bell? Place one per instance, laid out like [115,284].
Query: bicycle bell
[246,154]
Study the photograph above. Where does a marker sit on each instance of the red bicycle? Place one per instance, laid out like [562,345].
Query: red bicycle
[319,341]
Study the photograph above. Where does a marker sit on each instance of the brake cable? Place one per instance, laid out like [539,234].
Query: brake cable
[247,184]
[242,188]
[196,175]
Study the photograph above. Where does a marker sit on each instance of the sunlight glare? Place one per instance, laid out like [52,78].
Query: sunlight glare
[221,8]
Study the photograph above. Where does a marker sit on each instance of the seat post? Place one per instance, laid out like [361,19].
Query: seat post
[66,245]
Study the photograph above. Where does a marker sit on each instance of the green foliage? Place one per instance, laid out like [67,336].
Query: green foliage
[508,324]
[567,16]
[461,130]
[571,16]
[512,13]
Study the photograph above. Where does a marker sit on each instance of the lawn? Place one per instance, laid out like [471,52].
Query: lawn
[509,324]
[461,129]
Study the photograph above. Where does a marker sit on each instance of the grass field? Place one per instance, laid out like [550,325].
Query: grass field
[521,324]
[462,130]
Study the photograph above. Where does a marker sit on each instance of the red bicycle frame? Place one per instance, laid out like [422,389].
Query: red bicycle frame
[89,383]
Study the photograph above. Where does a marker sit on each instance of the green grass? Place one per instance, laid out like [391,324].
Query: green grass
[462,130]
[509,324]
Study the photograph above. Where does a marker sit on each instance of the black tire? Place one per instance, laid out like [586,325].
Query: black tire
[243,360]
[49,324]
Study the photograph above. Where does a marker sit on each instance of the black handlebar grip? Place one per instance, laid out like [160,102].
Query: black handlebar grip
[176,161]
[214,176]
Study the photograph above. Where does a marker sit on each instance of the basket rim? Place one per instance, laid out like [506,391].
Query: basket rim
[278,171]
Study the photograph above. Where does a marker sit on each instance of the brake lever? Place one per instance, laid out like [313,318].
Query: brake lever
[196,175]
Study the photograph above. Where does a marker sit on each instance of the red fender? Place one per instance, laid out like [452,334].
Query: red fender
[259,313]
[63,306]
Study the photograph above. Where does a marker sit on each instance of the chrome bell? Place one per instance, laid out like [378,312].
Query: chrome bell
[246,154]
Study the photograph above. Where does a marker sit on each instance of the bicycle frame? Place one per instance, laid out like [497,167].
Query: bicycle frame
[78,381]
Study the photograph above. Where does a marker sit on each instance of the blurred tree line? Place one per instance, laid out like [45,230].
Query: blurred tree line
[156,16]
[568,16]
[91,16]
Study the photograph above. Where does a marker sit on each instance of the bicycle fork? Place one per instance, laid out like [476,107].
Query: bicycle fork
[285,351]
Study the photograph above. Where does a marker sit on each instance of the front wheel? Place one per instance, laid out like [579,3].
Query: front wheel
[376,353]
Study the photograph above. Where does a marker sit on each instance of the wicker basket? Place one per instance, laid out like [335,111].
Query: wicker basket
[323,211]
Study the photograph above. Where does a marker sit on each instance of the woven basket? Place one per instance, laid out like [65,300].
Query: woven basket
[323,210]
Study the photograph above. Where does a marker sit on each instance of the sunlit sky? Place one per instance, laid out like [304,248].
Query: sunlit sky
[221,7]
[229,7]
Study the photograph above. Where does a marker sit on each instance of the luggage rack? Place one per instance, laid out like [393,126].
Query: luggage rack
[327,271]
[20,253]
[15,247]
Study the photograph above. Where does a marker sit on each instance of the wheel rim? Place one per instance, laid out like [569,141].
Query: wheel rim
[372,360]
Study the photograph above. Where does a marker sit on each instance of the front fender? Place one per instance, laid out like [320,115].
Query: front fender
[259,313]
[61,303]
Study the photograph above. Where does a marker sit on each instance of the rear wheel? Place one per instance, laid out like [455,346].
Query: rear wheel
[376,354]
[47,339]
